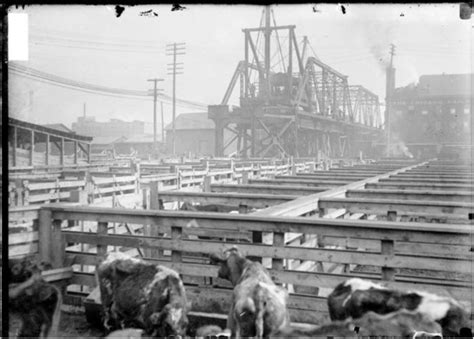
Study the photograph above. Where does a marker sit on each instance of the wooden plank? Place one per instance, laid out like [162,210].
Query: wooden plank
[235,199]
[292,182]
[314,254]
[267,189]
[374,206]
[428,181]
[412,186]
[303,178]
[459,289]
[424,232]
[309,203]
[410,195]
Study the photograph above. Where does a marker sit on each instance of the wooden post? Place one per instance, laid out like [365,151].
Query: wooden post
[176,234]
[206,186]
[48,142]
[88,153]
[75,152]
[32,150]
[245,177]
[61,153]
[14,146]
[25,193]
[278,241]
[152,230]
[293,166]
[388,248]
[45,235]
[58,245]
[102,228]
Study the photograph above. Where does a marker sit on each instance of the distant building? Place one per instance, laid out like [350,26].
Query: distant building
[434,116]
[113,128]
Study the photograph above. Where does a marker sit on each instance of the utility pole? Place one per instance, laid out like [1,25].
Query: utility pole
[162,124]
[175,68]
[390,85]
[155,92]
[84,111]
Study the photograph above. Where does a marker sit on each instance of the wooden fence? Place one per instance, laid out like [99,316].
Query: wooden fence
[393,246]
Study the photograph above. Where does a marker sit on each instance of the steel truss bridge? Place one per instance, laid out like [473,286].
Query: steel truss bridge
[297,106]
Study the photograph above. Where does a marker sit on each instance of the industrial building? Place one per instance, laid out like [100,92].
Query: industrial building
[434,116]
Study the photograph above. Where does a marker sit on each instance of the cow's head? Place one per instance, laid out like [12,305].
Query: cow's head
[232,264]
[171,320]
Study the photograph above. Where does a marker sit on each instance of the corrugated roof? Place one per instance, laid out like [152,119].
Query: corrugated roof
[188,121]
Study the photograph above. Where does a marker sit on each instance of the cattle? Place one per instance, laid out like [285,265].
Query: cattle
[138,294]
[36,302]
[206,208]
[129,333]
[355,297]
[258,306]
[212,331]
[403,324]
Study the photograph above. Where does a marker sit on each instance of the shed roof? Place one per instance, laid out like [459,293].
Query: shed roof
[189,121]
[59,127]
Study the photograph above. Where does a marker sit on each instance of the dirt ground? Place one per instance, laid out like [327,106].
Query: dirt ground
[72,325]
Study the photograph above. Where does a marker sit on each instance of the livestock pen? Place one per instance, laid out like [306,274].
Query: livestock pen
[311,239]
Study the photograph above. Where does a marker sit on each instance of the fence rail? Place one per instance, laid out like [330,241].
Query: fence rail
[393,246]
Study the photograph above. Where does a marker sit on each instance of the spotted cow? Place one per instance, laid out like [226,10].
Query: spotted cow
[258,306]
[403,324]
[138,294]
[355,297]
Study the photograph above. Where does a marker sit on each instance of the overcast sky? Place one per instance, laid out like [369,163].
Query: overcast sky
[90,44]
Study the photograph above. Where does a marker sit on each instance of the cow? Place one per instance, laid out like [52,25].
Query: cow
[36,302]
[258,306]
[138,294]
[129,333]
[212,331]
[206,208]
[403,323]
[355,297]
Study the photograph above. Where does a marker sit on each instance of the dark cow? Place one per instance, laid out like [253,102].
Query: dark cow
[404,324]
[206,208]
[355,297]
[258,305]
[138,294]
[36,302]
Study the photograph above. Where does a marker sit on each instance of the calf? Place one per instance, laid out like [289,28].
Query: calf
[258,305]
[36,302]
[355,297]
[137,294]
[398,324]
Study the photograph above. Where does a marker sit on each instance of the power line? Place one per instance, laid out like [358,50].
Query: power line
[95,89]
